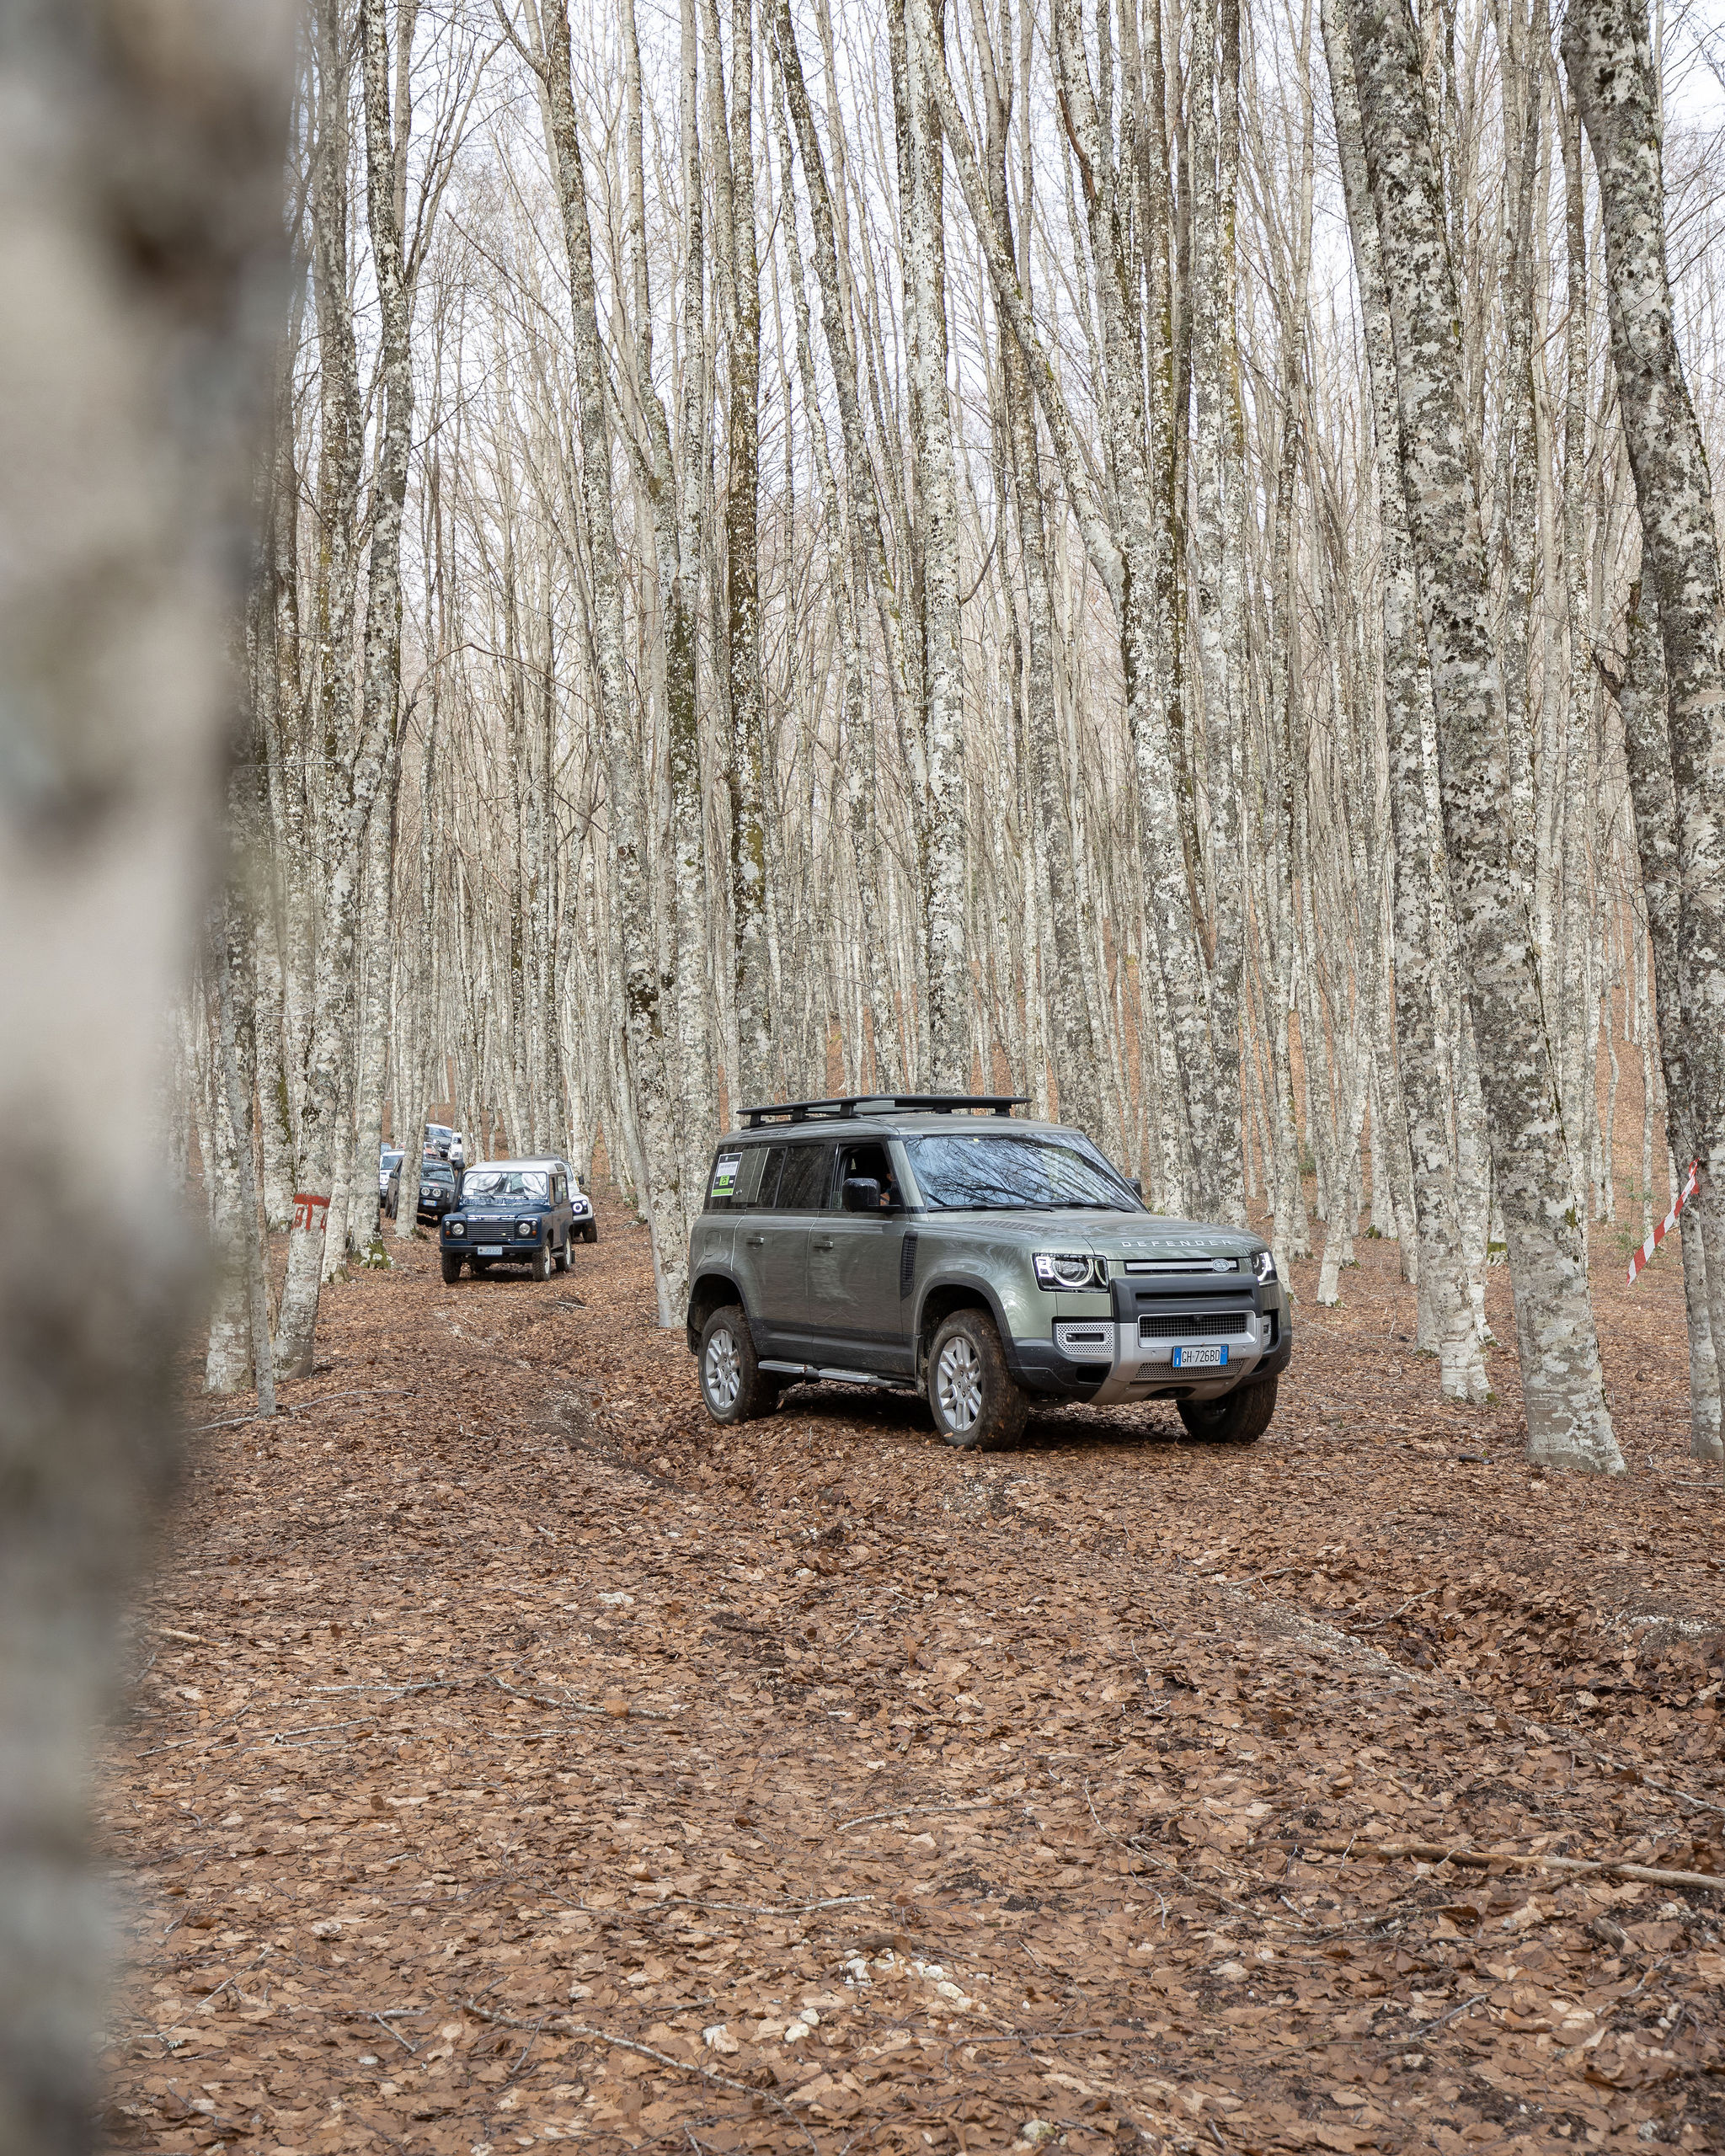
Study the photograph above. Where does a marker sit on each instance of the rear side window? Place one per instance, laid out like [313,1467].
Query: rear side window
[744,1177]
[808,1176]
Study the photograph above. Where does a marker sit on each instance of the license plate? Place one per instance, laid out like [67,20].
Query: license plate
[1200,1358]
[489,1250]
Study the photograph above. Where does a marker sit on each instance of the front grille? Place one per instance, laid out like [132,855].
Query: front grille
[1225,1324]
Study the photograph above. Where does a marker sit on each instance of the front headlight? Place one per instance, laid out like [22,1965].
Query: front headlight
[1264,1264]
[580,1205]
[526,1228]
[454,1227]
[1070,1269]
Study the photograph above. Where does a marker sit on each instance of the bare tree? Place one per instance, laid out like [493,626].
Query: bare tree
[1567,1421]
[1610,63]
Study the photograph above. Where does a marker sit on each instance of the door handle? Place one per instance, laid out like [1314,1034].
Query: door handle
[824,1243]
[755,1241]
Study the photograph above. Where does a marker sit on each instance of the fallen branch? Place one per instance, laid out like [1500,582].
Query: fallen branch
[1483,1860]
[561,2026]
[769,1908]
[301,1406]
[1424,1595]
[1479,1999]
[902,1811]
[581,1707]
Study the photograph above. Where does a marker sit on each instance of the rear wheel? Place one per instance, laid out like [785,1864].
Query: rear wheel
[976,1403]
[1238,1418]
[734,1386]
[566,1256]
[452,1269]
[539,1266]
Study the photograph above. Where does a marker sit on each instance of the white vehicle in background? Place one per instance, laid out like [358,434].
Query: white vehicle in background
[584,1224]
[458,1151]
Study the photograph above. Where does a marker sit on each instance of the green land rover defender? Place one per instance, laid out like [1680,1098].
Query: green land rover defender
[941,1244]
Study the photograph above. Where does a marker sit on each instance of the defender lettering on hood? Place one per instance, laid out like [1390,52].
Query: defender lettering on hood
[940,1243]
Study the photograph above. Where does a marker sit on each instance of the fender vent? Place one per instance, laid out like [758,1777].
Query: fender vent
[907,1266]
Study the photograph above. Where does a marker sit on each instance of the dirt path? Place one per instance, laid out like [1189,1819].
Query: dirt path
[514,1758]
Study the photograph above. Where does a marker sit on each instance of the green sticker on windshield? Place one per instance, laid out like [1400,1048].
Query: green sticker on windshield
[724,1176]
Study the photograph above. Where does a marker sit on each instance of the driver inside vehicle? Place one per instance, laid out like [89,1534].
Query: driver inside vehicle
[870,1163]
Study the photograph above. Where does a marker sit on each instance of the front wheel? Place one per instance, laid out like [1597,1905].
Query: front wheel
[451,1268]
[1237,1418]
[539,1269]
[734,1386]
[976,1403]
[590,1233]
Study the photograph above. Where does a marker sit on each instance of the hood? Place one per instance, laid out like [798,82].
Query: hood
[1148,1235]
[1120,1236]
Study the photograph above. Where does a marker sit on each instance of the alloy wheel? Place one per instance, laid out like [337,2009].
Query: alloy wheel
[958,1383]
[725,1371]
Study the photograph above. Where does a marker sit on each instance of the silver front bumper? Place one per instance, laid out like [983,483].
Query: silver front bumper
[1140,1369]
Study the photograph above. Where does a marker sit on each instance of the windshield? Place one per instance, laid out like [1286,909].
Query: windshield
[389,1158]
[505,1182]
[1018,1173]
[436,1171]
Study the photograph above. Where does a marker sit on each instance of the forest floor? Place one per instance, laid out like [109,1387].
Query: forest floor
[512,1758]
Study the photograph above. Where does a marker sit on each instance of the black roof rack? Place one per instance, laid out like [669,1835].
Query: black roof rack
[856,1104]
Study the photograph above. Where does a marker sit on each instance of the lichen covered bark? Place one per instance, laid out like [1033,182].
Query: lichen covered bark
[1568,1424]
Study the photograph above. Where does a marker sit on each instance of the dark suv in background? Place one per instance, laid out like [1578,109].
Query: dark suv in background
[941,1244]
[439,1190]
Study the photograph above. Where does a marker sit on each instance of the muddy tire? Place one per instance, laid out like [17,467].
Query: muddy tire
[1237,1418]
[734,1387]
[452,1269]
[977,1404]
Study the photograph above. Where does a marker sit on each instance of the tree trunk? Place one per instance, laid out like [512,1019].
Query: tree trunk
[1641,699]
[944,819]
[1567,1421]
[642,1045]
[354,757]
[1609,64]
[141,201]
[1442,1269]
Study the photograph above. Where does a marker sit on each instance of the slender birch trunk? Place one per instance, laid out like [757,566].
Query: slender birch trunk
[1642,702]
[238,1070]
[944,818]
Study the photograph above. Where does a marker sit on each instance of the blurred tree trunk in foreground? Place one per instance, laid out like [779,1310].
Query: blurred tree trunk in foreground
[140,221]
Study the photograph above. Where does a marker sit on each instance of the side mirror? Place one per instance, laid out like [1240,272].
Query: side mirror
[1136,1185]
[861,1194]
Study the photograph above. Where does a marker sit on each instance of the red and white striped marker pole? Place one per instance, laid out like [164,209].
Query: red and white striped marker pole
[1668,1223]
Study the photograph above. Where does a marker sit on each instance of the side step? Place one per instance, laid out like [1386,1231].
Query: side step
[813,1373]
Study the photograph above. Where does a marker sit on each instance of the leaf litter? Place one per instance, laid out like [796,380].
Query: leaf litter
[513,1758]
